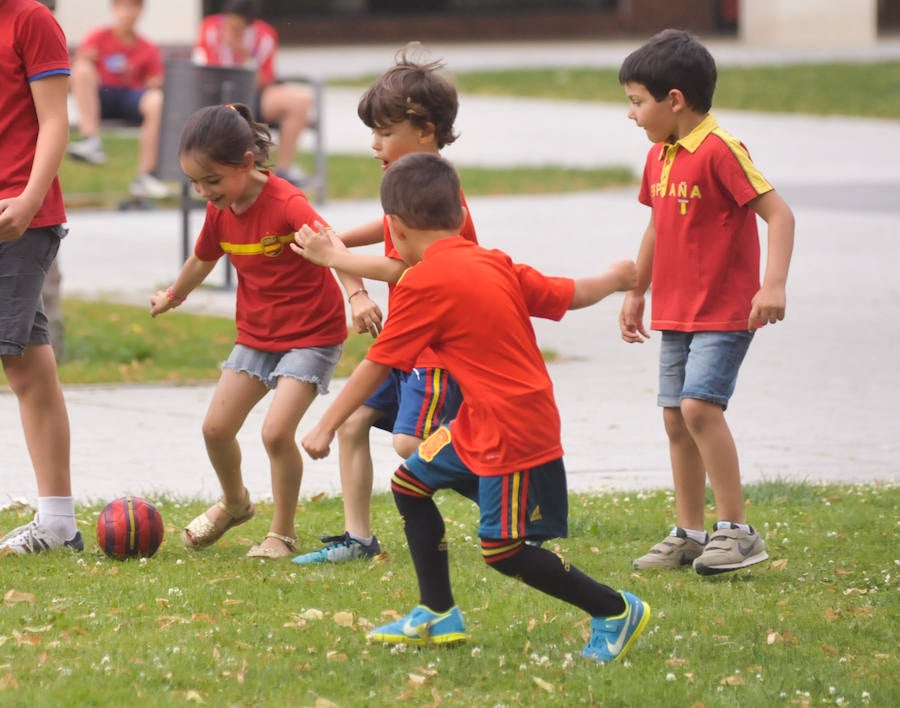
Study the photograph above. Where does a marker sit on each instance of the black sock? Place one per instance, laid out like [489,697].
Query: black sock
[425,534]
[547,572]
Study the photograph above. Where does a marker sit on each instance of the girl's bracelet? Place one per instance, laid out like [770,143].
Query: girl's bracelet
[170,294]
[352,295]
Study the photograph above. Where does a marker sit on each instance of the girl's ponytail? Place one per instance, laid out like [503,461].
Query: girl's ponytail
[225,133]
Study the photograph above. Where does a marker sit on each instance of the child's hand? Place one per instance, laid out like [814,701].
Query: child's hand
[314,245]
[766,307]
[367,315]
[631,319]
[317,442]
[160,302]
[624,275]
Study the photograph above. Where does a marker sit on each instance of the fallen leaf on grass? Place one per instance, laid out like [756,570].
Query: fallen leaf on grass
[312,614]
[8,681]
[14,596]
[317,497]
[417,679]
[543,685]
[343,619]
[335,656]
[733,680]
[779,564]
[772,637]
[830,650]
[856,591]
[325,703]
[676,661]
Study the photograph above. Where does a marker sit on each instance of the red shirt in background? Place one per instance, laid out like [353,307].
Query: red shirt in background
[32,47]
[283,301]
[706,256]
[473,306]
[260,42]
[122,64]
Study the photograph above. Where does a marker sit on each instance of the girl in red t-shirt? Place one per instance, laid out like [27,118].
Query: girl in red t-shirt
[289,316]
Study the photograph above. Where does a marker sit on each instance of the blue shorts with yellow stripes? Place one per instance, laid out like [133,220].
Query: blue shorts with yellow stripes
[417,402]
[531,504]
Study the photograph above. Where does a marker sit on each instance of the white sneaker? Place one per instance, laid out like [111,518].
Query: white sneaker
[294,175]
[32,538]
[149,187]
[88,150]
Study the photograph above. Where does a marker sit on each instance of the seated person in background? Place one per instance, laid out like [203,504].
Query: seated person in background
[236,37]
[118,74]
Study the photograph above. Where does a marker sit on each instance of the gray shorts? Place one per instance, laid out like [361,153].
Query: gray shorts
[312,364]
[23,265]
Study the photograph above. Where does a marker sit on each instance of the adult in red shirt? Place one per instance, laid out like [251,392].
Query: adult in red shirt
[118,74]
[473,306]
[289,313]
[237,37]
[34,128]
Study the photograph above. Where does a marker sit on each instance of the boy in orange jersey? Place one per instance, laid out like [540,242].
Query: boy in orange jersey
[455,298]
[701,252]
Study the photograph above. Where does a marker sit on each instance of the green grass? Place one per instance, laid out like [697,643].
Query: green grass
[814,626]
[866,89]
[112,343]
[349,177]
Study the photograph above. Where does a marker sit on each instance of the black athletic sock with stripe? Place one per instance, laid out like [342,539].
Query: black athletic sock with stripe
[424,528]
[547,572]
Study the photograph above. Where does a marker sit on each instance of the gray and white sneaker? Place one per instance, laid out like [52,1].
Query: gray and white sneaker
[731,549]
[88,150]
[32,538]
[148,187]
[674,551]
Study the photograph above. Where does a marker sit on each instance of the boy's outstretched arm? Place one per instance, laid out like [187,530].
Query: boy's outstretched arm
[621,275]
[325,248]
[364,381]
[768,305]
[631,317]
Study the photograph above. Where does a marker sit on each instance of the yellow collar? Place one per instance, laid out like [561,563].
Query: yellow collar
[692,140]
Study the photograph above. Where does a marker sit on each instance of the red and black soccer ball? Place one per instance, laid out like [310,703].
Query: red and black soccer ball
[129,527]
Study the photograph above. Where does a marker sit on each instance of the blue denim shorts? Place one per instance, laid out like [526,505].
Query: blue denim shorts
[312,364]
[701,365]
[23,265]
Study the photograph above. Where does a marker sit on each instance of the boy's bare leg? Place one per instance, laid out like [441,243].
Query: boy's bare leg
[45,421]
[150,106]
[355,460]
[289,105]
[709,430]
[406,445]
[86,91]
[688,471]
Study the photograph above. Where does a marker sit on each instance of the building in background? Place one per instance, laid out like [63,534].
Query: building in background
[826,23]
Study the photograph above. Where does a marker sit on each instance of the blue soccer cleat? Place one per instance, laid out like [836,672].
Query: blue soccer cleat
[611,637]
[339,549]
[422,626]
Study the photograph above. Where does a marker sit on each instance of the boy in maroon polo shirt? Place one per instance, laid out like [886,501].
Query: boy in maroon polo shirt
[34,128]
[701,252]
[455,299]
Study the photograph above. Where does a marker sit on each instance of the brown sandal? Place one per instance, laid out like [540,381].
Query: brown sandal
[202,532]
[261,551]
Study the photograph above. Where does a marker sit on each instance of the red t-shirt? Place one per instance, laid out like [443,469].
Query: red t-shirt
[32,47]
[122,64]
[260,43]
[473,307]
[283,301]
[706,257]
[428,359]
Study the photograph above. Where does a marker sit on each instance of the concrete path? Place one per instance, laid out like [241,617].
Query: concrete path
[816,396]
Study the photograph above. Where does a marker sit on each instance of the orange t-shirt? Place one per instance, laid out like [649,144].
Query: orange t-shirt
[428,359]
[473,307]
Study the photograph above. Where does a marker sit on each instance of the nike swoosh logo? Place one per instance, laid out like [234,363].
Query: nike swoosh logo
[614,649]
[745,550]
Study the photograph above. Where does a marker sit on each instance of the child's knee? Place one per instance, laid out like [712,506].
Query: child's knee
[502,556]
[699,415]
[406,445]
[276,439]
